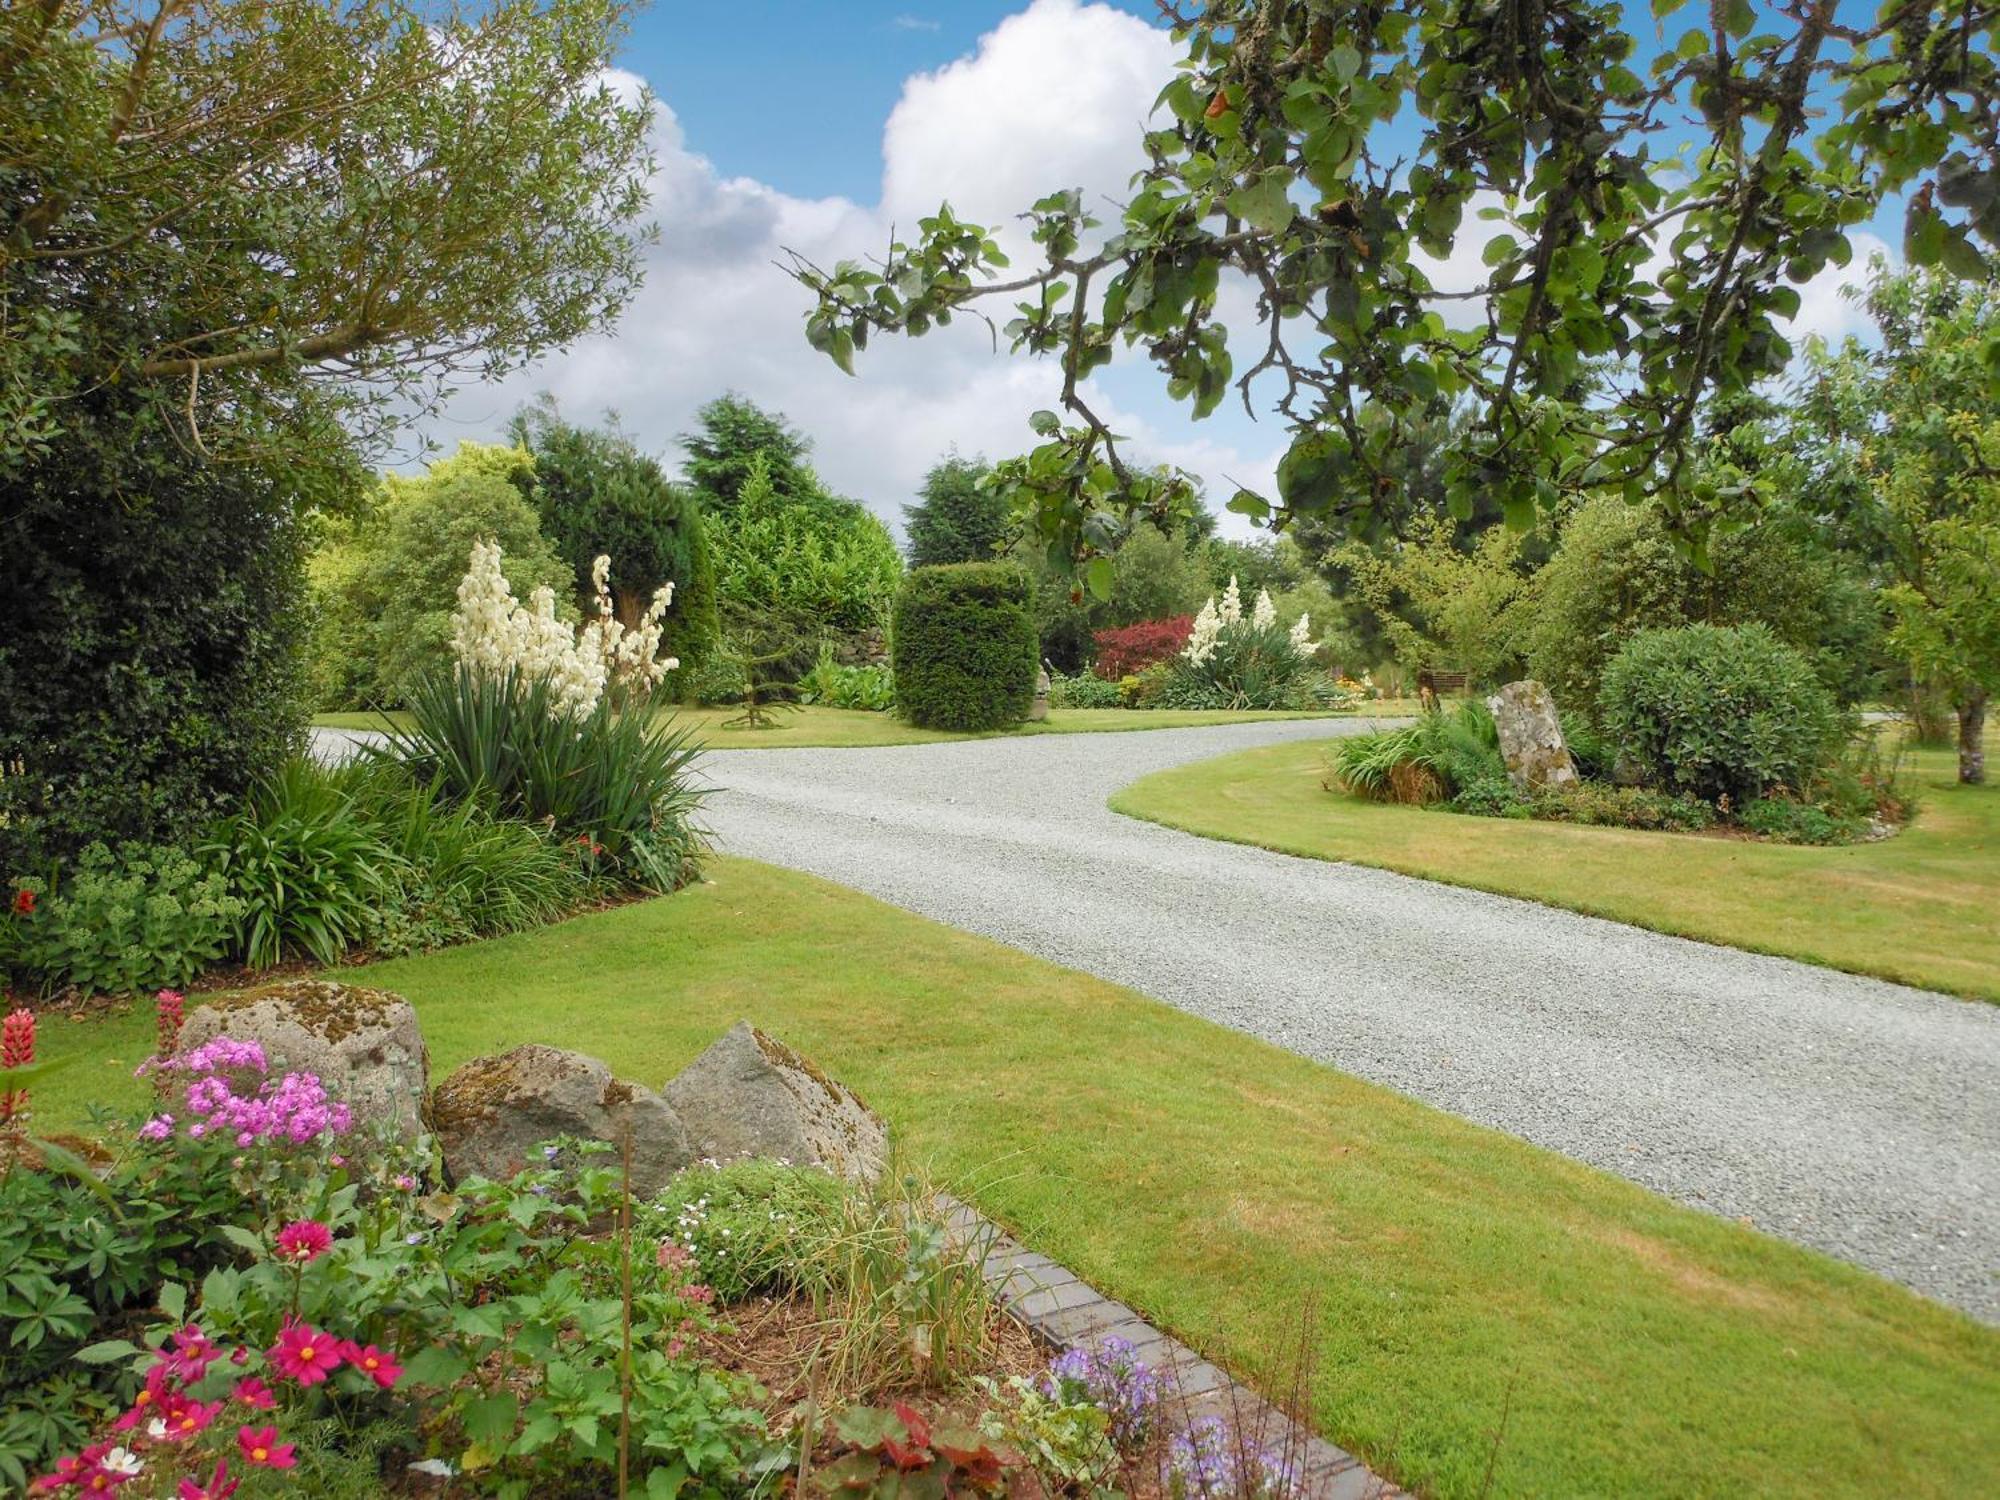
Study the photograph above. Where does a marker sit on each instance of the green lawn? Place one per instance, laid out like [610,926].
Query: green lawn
[848,728]
[1228,1188]
[1920,907]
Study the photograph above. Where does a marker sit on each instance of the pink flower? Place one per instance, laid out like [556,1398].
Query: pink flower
[167,1014]
[192,1354]
[186,1418]
[673,1256]
[261,1447]
[219,1487]
[404,1182]
[303,1240]
[377,1364]
[304,1353]
[17,1050]
[159,1128]
[252,1391]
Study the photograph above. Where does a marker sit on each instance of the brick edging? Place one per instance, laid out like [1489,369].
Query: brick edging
[1067,1312]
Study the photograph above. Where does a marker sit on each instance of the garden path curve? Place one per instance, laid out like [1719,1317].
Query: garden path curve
[1858,1117]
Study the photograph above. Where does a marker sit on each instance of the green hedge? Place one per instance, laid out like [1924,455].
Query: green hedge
[964,646]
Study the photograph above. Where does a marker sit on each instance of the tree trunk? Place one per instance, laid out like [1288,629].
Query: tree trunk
[1971,744]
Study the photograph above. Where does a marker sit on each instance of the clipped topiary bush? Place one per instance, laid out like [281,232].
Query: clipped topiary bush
[964,646]
[1719,711]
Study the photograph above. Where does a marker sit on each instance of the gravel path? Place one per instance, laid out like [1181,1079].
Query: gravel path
[1857,1117]
[1854,1116]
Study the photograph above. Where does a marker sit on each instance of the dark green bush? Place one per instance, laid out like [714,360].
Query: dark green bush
[1719,712]
[1087,691]
[150,620]
[1793,822]
[964,646]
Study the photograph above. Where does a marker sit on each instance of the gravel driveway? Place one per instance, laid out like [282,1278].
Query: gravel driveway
[1858,1117]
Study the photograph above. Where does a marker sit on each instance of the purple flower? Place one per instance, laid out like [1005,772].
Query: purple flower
[1211,1462]
[1108,1376]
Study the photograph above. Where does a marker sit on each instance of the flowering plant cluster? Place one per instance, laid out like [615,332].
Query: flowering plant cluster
[294,1109]
[1238,660]
[1216,620]
[1213,1460]
[1111,1377]
[17,1051]
[493,634]
[197,1429]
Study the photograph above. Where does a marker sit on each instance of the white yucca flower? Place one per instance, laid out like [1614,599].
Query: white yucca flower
[1232,602]
[1264,614]
[1301,634]
[1201,640]
[492,632]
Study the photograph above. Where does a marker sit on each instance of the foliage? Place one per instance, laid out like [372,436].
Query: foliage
[750,1226]
[269,222]
[386,590]
[1087,691]
[817,558]
[1065,1437]
[1329,154]
[609,779]
[149,623]
[1793,822]
[1621,807]
[958,517]
[1445,753]
[1154,574]
[598,495]
[1618,571]
[1718,712]
[871,687]
[734,433]
[964,646]
[719,679]
[1442,607]
[1123,650]
[118,922]
[896,1454]
[1907,441]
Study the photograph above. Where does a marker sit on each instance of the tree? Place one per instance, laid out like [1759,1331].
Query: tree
[599,496]
[958,517]
[1643,234]
[239,241]
[821,559]
[1908,442]
[733,433]
[1443,608]
[278,220]
[387,592]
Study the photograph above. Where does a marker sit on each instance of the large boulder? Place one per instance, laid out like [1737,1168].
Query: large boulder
[363,1044]
[492,1116]
[750,1095]
[1531,737]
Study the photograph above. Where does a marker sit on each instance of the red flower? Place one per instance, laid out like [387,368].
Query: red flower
[17,1039]
[219,1487]
[252,1391]
[377,1364]
[24,903]
[168,1008]
[304,1353]
[303,1240]
[261,1448]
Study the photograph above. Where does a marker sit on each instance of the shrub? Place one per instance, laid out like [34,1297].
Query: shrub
[836,685]
[1793,822]
[1087,691]
[1621,807]
[120,922]
[1444,755]
[1131,648]
[750,1226]
[1234,660]
[1718,711]
[609,778]
[720,678]
[150,617]
[964,646]
[816,557]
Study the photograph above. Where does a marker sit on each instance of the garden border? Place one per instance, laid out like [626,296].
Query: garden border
[1064,1310]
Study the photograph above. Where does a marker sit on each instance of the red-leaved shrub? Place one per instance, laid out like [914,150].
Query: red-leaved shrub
[1129,648]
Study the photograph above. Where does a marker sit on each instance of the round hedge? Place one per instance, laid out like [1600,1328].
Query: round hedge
[1718,711]
[964,646]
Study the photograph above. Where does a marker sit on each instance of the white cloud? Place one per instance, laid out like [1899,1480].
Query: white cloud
[914,23]
[1055,96]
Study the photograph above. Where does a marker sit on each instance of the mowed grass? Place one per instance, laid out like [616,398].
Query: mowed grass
[1922,907]
[1454,1280]
[847,728]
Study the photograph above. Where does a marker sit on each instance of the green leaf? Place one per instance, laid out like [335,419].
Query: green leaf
[435,1365]
[110,1351]
[1263,204]
[242,1238]
[1097,575]
[173,1300]
[1344,61]
[489,1421]
[1045,423]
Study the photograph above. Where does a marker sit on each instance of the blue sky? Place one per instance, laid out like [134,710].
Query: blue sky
[821,126]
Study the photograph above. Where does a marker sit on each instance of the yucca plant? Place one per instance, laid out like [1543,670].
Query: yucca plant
[611,779]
